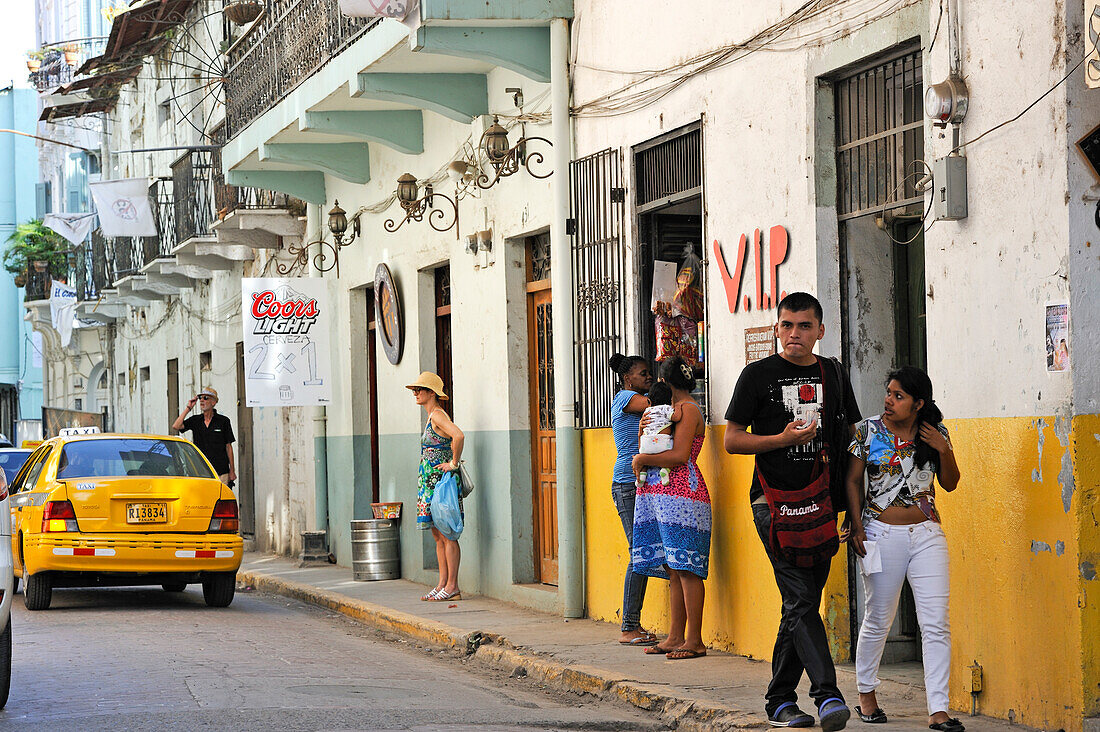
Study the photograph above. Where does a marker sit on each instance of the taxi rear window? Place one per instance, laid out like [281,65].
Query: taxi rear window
[143,457]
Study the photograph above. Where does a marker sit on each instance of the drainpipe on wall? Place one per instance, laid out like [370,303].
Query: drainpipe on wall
[320,446]
[568,439]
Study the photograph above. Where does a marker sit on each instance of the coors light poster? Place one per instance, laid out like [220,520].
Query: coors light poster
[287,322]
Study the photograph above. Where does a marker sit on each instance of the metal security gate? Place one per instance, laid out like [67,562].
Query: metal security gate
[880,136]
[597,199]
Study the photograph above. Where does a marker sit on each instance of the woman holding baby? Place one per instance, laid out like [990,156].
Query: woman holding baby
[672,518]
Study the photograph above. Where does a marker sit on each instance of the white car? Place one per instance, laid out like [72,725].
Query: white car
[7,581]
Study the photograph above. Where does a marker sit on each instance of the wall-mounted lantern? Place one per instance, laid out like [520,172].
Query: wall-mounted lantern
[416,206]
[327,256]
[505,159]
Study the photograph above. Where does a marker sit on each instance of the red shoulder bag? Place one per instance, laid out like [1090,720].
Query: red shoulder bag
[803,529]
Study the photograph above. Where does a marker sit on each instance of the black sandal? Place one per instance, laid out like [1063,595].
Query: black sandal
[876,717]
[951,725]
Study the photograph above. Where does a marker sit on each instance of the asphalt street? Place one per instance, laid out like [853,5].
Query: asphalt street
[144,659]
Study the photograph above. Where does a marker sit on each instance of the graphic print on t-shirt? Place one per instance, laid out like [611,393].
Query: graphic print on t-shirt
[802,399]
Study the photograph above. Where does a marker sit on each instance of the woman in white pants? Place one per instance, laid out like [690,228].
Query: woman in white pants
[898,535]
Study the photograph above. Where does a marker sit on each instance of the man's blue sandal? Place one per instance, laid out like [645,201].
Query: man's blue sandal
[834,714]
[789,715]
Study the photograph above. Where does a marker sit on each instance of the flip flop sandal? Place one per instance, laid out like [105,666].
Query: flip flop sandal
[444,596]
[657,651]
[683,654]
[951,725]
[643,640]
[876,717]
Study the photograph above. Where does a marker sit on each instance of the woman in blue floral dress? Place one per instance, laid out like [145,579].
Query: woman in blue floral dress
[440,450]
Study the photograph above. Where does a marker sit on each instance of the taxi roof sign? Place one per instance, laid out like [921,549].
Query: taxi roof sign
[68,431]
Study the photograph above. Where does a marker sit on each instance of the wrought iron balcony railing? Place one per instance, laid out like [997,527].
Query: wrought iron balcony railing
[37,286]
[63,59]
[292,40]
[193,184]
[91,268]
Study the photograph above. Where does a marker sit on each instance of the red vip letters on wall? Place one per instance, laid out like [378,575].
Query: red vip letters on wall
[777,254]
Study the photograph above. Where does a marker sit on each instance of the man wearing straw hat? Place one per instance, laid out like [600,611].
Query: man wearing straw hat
[211,432]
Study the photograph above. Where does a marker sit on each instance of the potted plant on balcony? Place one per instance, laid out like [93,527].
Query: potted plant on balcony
[35,246]
[71,52]
[34,60]
[241,12]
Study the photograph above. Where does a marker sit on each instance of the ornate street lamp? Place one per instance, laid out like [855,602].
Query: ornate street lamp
[416,207]
[506,160]
[327,256]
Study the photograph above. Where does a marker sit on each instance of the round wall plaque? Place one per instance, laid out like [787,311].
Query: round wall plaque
[387,312]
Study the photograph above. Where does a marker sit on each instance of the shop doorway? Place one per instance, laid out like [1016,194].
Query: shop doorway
[246,484]
[173,393]
[443,336]
[668,185]
[372,395]
[880,149]
[543,441]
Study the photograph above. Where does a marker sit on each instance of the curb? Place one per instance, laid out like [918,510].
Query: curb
[497,652]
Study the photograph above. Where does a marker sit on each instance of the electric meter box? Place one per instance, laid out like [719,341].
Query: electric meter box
[949,195]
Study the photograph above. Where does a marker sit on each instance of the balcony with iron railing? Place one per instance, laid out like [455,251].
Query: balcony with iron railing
[193,177]
[288,44]
[92,267]
[61,60]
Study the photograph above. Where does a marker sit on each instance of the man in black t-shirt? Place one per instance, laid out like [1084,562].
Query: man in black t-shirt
[211,432]
[793,415]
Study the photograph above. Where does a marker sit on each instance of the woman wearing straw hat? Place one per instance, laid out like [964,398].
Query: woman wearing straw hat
[440,450]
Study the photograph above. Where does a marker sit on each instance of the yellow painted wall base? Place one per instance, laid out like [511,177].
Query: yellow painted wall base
[1025,598]
[741,613]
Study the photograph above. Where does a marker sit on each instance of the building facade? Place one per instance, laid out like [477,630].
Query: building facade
[553,177]
[804,132]
[20,360]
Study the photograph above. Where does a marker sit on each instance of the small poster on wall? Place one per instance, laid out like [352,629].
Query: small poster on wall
[1057,327]
[759,343]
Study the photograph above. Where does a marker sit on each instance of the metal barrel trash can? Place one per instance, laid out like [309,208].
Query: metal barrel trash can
[375,551]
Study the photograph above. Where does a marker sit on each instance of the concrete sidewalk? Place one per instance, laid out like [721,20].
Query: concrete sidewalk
[720,691]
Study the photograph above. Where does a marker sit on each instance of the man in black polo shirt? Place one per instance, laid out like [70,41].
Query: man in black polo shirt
[211,432]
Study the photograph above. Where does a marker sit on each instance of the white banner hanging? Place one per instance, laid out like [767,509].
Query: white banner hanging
[73,226]
[377,8]
[287,357]
[123,207]
[62,310]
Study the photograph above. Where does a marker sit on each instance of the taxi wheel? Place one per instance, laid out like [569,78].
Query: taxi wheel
[218,588]
[174,586]
[5,663]
[38,591]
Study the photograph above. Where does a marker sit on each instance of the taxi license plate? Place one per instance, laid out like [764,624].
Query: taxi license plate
[146,513]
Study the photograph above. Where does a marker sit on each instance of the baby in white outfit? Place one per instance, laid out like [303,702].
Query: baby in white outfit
[656,435]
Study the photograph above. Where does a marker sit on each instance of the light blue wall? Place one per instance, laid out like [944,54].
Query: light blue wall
[18,175]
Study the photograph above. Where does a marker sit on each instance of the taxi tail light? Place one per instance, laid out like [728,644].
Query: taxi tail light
[59,516]
[225,517]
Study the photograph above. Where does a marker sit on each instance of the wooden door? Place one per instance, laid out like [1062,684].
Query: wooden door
[543,441]
[246,486]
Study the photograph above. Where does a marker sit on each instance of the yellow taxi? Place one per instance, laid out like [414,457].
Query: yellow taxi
[109,509]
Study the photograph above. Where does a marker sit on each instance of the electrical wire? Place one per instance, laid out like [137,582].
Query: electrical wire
[629,98]
[1028,108]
